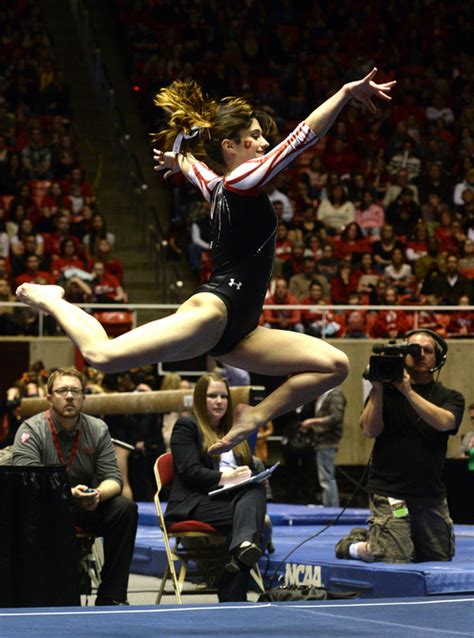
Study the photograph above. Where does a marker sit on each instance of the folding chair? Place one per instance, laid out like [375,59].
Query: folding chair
[91,560]
[211,543]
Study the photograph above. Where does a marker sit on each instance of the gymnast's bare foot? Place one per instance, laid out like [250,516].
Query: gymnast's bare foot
[244,425]
[37,295]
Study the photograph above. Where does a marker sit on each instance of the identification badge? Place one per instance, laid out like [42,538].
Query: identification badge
[399,507]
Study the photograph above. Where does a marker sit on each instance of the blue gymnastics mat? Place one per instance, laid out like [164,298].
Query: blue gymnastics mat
[418,618]
[284,514]
[315,563]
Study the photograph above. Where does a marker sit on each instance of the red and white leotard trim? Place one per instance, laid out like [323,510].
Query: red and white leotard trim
[253,175]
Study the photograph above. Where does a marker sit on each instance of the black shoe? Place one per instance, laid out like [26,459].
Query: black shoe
[356,535]
[102,602]
[245,556]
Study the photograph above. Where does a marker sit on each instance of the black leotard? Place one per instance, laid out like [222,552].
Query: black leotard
[243,234]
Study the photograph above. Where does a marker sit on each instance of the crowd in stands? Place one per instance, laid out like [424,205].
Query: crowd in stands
[51,230]
[381,211]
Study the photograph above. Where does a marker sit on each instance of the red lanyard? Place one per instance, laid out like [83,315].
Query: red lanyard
[58,447]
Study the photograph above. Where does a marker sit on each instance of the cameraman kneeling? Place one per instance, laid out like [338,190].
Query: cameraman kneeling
[410,420]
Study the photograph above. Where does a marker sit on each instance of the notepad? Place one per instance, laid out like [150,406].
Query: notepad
[256,478]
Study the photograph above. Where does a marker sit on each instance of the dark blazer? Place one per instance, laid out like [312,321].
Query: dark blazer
[196,471]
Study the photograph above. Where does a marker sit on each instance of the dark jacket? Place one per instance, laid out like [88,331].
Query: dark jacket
[332,411]
[196,471]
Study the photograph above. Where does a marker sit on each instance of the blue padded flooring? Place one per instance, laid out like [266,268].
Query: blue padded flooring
[315,563]
[445,617]
[282,514]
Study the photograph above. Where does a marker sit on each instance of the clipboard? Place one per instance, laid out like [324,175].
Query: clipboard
[256,478]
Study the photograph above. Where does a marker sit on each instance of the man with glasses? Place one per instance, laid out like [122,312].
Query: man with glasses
[64,435]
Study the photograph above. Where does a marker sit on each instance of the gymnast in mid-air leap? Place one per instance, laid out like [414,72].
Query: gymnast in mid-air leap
[221,318]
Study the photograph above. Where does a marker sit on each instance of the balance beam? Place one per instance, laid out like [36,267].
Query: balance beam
[137,402]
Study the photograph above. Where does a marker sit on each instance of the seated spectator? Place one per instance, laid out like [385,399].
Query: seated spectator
[403,213]
[439,110]
[106,288]
[303,200]
[56,200]
[47,438]
[328,264]
[417,244]
[314,246]
[282,319]
[294,264]
[393,323]
[54,240]
[370,216]
[399,182]
[77,178]
[98,231]
[26,230]
[276,195]
[444,233]
[377,294]
[300,283]
[461,324]
[284,245]
[14,174]
[28,246]
[113,266]
[357,186]
[383,248]
[406,159]
[309,225]
[4,237]
[466,184]
[33,274]
[447,289]
[365,277]
[433,182]
[8,325]
[316,176]
[238,514]
[399,274]
[36,157]
[341,284]
[336,211]
[5,270]
[355,321]
[466,263]
[340,158]
[431,264]
[318,323]
[352,243]
[68,263]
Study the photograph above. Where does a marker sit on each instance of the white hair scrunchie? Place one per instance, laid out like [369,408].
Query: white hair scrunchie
[185,136]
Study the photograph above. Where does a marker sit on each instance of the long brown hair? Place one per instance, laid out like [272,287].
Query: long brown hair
[186,107]
[209,435]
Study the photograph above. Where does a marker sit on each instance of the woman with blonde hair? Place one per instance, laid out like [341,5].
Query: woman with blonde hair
[239,513]
[222,317]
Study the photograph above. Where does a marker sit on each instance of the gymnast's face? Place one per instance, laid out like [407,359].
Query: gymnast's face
[217,401]
[252,144]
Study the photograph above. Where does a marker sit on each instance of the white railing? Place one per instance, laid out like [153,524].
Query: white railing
[166,309]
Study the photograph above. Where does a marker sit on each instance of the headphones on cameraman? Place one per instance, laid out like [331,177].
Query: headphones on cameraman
[441,347]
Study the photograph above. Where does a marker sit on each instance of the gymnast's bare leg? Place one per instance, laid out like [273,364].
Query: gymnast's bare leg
[194,329]
[314,365]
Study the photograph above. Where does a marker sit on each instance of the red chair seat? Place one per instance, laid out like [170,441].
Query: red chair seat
[191,526]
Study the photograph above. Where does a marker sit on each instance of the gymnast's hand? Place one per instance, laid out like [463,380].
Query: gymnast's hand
[166,161]
[364,90]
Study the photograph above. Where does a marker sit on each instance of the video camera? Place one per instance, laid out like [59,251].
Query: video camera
[388,361]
